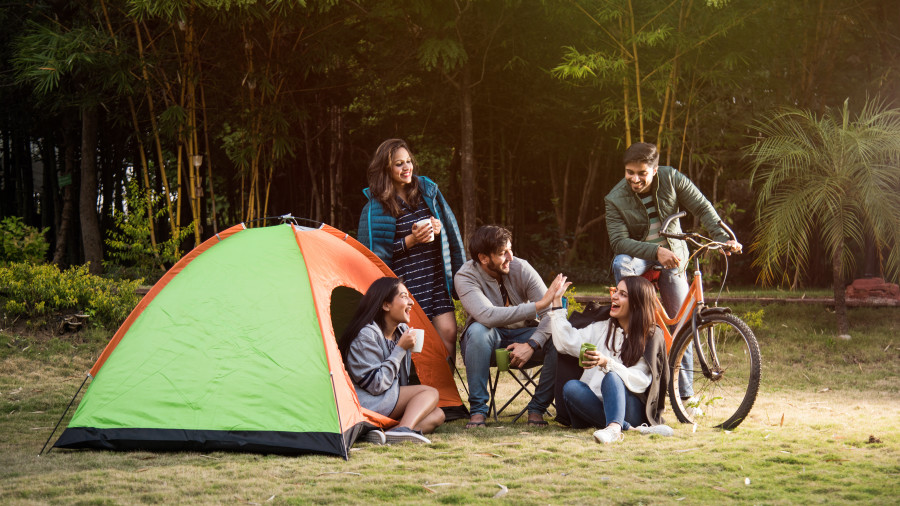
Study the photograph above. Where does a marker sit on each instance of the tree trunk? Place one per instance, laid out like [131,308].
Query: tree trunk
[8,180]
[467,153]
[560,203]
[840,301]
[87,205]
[65,220]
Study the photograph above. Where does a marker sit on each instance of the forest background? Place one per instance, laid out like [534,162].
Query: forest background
[131,130]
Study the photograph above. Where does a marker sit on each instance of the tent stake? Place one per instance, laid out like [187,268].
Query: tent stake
[63,416]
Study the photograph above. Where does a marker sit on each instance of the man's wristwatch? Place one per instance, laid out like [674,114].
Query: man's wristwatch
[534,345]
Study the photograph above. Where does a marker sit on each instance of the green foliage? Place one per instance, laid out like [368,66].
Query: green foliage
[129,241]
[460,315]
[47,56]
[574,305]
[37,291]
[830,179]
[446,54]
[20,242]
[754,319]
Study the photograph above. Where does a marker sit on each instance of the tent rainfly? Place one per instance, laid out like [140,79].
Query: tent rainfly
[234,349]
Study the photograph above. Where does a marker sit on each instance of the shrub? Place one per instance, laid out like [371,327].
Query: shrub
[130,248]
[40,290]
[20,242]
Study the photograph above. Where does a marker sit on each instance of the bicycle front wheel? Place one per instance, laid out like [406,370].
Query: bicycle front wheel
[724,393]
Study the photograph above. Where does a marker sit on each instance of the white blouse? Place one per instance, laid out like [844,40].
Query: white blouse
[568,340]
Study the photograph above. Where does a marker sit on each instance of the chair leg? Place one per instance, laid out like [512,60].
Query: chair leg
[461,380]
[492,385]
[523,387]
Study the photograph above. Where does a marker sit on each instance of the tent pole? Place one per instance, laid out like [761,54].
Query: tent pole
[337,408]
[63,416]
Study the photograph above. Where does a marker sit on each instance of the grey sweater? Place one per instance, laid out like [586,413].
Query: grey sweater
[376,371]
[480,297]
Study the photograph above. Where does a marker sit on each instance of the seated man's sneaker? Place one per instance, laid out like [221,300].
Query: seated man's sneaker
[405,435]
[659,430]
[375,436]
[608,435]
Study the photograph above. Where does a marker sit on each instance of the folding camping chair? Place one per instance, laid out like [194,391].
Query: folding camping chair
[527,383]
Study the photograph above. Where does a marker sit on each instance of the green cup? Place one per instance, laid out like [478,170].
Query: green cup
[502,356]
[584,348]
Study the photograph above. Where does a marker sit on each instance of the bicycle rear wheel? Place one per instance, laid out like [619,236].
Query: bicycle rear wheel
[724,396]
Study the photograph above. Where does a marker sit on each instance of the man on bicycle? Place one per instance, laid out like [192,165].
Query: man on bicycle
[635,209]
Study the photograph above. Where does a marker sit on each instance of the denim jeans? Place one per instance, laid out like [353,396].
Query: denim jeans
[673,288]
[618,405]
[478,345]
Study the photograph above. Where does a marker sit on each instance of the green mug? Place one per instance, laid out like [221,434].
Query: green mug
[584,348]
[502,356]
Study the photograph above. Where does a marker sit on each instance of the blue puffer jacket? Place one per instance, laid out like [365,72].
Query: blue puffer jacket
[377,229]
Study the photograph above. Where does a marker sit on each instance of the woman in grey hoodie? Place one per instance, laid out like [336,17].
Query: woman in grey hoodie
[376,351]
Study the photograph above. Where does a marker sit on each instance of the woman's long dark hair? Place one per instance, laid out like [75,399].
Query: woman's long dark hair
[641,321]
[379,175]
[370,309]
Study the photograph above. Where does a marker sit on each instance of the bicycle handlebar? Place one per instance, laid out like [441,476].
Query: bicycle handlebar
[665,226]
[693,236]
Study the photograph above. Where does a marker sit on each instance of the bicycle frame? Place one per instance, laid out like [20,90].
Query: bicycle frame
[689,312]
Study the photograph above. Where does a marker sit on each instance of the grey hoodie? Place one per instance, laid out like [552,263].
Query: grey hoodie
[377,371]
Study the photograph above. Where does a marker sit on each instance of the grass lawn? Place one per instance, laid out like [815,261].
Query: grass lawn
[824,430]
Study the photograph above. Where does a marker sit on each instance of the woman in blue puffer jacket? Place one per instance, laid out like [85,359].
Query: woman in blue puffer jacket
[408,224]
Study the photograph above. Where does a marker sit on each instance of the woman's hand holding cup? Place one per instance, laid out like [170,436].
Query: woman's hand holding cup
[436,224]
[407,340]
[422,231]
[593,358]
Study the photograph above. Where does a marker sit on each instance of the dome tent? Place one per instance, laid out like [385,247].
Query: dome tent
[234,349]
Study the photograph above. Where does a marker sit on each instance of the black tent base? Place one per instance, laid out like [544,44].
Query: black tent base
[269,442]
[455,413]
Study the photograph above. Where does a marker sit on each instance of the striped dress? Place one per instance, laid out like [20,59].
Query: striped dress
[421,266]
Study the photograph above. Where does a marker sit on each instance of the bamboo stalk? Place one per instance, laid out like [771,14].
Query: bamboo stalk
[173,225]
[627,116]
[637,75]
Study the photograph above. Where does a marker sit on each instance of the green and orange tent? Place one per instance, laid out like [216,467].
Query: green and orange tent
[234,349]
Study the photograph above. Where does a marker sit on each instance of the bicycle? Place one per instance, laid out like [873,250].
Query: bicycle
[726,353]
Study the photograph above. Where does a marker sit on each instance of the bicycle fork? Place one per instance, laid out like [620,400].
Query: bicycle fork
[714,373]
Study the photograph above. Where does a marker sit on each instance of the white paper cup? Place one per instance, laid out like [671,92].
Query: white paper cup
[424,223]
[420,340]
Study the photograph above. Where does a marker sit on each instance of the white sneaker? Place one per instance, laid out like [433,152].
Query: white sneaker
[659,430]
[405,435]
[608,435]
[694,412]
[375,436]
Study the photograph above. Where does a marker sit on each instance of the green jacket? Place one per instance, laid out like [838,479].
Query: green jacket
[628,225]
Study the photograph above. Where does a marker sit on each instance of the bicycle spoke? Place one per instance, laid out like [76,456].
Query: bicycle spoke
[724,395]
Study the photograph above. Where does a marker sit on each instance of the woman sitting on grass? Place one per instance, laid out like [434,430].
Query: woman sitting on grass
[623,385]
[375,347]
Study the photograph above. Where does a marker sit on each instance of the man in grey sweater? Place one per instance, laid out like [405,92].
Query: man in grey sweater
[504,297]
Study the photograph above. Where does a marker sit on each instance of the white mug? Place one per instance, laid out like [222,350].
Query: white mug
[422,223]
[420,340]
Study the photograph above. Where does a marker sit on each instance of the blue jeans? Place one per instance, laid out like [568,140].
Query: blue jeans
[673,288]
[478,345]
[618,405]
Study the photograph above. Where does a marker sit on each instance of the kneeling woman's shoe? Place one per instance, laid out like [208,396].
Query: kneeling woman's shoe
[375,436]
[659,430]
[405,435]
[608,435]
